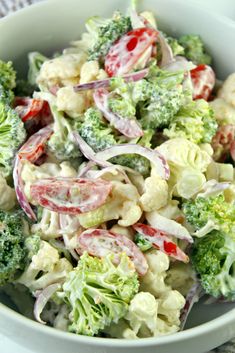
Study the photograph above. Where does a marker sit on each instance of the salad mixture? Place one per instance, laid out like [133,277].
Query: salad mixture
[117,181]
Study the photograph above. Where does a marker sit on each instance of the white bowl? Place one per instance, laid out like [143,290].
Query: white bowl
[49,26]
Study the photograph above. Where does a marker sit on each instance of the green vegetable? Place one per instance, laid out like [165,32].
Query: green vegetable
[106,32]
[213,258]
[133,161]
[95,132]
[159,98]
[12,135]
[194,121]
[61,143]
[7,75]
[13,251]
[215,210]
[176,48]
[194,49]
[35,63]
[98,292]
[7,82]
[142,243]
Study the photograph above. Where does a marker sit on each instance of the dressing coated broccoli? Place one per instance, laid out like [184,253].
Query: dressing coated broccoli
[213,258]
[106,32]
[7,82]
[13,250]
[194,49]
[98,292]
[12,135]
[35,63]
[95,132]
[61,143]
[194,121]
[210,213]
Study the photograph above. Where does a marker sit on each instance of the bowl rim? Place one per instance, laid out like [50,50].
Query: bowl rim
[205,328]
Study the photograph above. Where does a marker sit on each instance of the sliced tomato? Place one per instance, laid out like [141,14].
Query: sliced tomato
[128,127]
[101,242]
[70,195]
[35,113]
[35,146]
[126,51]
[161,241]
[223,142]
[28,108]
[232,150]
[203,81]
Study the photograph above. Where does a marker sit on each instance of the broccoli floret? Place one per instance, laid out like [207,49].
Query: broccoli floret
[194,49]
[213,211]
[13,251]
[106,33]
[35,62]
[61,143]
[95,132]
[213,258]
[194,121]
[12,135]
[176,48]
[98,292]
[142,243]
[133,161]
[7,75]
[6,96]
[159,98]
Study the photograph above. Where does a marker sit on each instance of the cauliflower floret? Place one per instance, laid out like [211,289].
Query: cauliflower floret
[121,329]
[150,317]
[122,204]
[142,314]
[8,196]
[129,214]
[127,231]
[171,210]
[45,268]
[155,195]
[154,280]
[49,225]
[181,277]
[227,91]
[71,102]
[224,112]
[170,305]
[90,71]
[64,70]
[31,173]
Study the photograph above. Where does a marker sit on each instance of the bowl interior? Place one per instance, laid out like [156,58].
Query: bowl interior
[25,32]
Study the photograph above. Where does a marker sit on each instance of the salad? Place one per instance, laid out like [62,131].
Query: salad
[117,181]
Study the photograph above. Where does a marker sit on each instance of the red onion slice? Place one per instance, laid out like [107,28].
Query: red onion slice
[88,152]
[19,188]
[158,161]
[169,226]
[42,300]
[128,127]
[132,77]
[192,297]
[167,54]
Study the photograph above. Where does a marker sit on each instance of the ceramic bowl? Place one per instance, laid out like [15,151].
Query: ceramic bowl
[50,26]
